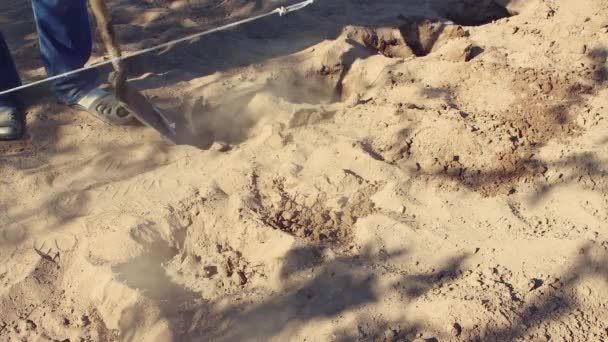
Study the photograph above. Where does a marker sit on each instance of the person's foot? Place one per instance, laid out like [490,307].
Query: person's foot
[12,123]
[104,105]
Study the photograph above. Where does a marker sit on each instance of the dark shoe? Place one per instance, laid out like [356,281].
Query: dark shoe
[12,123]
[104,105]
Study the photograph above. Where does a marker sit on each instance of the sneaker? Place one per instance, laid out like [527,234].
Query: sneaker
[104,105]
[12,123]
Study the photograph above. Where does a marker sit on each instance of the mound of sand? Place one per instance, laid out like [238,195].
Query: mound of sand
[371,171]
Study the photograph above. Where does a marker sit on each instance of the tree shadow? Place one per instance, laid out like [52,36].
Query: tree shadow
[314,288]
[559,301]
[519,162]
[70,188]
[341,285]
[260,41]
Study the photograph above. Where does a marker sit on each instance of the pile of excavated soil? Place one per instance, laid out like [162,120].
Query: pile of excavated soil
[370,171]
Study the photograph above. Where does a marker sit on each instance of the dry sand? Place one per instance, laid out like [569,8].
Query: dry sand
[357,171]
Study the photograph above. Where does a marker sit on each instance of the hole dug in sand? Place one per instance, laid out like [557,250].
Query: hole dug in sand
[310,216]
[415,37]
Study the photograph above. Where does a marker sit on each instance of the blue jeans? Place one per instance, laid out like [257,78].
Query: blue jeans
[64,34]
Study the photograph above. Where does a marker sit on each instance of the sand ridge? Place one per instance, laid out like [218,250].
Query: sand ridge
[371,171]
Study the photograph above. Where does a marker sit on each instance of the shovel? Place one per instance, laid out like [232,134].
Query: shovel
[143,110]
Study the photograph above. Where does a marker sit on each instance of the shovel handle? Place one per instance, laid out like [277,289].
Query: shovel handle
[106,31]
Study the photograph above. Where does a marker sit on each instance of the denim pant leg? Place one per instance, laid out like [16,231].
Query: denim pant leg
[64,32]
[9,78]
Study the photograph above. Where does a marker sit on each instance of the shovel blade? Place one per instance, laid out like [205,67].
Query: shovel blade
[147,113]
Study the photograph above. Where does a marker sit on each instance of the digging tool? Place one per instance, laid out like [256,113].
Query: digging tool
[138,104]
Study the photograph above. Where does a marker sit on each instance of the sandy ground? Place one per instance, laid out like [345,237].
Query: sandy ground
[357,171]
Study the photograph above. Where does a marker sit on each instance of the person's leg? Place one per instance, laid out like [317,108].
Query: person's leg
[11,118]
[64,33]
[8,74]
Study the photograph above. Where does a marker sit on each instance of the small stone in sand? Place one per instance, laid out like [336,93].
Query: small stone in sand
[220,147]
[456,329]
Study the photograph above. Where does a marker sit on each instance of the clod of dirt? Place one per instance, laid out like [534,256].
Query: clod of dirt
[316,222]
[535,284]
[462,52]
[242,277]
[423,35]
[387,41]
[472,12]
[85,321]
[220,147]
[456,329]
[391,43]
[210,271]
[30,325]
